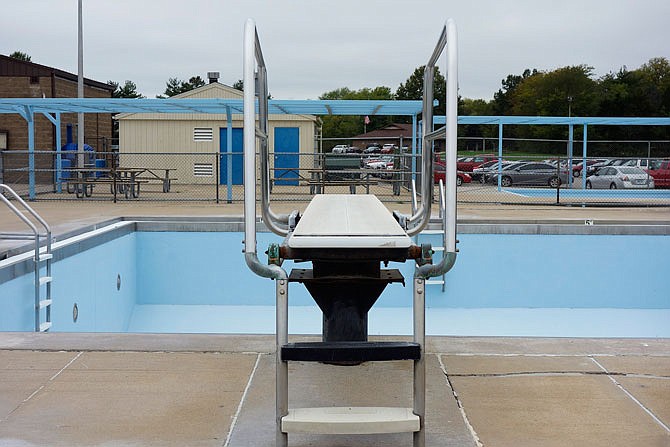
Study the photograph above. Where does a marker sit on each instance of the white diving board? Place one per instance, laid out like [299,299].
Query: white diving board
[348,221]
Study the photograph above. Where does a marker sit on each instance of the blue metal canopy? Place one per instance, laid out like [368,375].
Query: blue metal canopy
[560,120]
[25,106]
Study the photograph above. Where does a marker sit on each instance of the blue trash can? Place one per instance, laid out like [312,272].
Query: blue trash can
[100,163]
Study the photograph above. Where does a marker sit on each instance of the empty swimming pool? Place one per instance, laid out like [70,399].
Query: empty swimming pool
[510,280]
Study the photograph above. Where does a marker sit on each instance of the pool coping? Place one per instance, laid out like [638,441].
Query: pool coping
[265,344]
[466,226]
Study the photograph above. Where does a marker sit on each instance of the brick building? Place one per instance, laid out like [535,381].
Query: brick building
[21,79]
[393,133]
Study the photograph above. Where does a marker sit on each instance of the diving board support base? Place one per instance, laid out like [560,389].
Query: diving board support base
[350,420]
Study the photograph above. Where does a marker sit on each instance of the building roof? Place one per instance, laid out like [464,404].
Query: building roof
[393,130]
[11,67]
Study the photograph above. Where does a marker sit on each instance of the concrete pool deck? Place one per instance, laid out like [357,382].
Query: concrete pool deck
[215,390]
[64,389]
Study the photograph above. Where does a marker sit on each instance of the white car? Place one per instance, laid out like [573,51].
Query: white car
[615,177]
[340,149]
[384,163]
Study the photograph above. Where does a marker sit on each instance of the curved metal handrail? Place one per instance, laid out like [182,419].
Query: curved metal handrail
[449,39]
[253,56]
[420,218]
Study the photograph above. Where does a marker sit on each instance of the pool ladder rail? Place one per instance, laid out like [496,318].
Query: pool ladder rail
[41,259]
[439,231]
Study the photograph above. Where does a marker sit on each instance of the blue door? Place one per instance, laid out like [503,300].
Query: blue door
[236,157]
[287,146]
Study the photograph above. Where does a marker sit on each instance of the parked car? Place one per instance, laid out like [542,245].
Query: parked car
[660,171]
[482,172]
[615,177]
[340,149]
[378,162]
[642,163]
[388,148]
[578,166]
[439,173]
[590,170]
[468,164]
[530,173]
[372,149]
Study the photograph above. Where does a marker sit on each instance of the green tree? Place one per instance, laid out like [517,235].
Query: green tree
[478,107]
[343,126]
[654,87]
[175,86]
[412,88]
[20,55]
[561,92]
[641,92]
[239,85]
[128,90]
[501,98]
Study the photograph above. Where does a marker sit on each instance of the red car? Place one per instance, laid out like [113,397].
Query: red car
[440,174]
[470,163]
[660,171]
[578,166]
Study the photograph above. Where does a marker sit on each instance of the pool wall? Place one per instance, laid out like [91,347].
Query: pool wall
[492,270]
[160,270]
[88,280]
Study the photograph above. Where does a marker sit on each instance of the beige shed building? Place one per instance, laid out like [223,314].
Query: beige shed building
[196,145]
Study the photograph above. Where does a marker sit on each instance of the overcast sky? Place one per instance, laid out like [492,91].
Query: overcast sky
[313,46]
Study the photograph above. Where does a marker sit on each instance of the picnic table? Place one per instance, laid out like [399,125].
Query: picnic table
[122,180]
[320,178]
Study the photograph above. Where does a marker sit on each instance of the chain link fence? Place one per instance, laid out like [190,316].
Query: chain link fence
[217,177]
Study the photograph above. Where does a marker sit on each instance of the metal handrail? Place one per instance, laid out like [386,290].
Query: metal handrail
[414,199]
[252,57]
[19,214]
[420,218]
[36,236]
[443,203]
[451,129]
[256,85]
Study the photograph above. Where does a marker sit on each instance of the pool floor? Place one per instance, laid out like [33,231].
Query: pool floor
[502,322]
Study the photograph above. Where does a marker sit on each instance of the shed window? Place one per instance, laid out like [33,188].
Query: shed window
[3,140]
[203,170]
[202,134]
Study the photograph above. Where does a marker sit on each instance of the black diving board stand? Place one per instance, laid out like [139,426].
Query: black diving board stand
[369,351]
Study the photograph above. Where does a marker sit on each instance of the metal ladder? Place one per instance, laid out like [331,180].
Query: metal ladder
[439,230]
[40,259]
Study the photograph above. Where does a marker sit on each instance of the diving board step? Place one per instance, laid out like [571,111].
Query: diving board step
[45,280]
[350,351]
[45,303]
[45,256]
[350,420]
[45,326]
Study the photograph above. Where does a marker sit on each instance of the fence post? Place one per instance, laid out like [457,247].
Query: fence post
[217,162]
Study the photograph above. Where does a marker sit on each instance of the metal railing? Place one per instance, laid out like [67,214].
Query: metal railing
[38,257]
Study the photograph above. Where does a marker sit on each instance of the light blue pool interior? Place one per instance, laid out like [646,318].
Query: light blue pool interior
[564,285]
[578,193]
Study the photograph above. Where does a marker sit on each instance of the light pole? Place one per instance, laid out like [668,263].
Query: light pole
[569,106]
[80,87]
